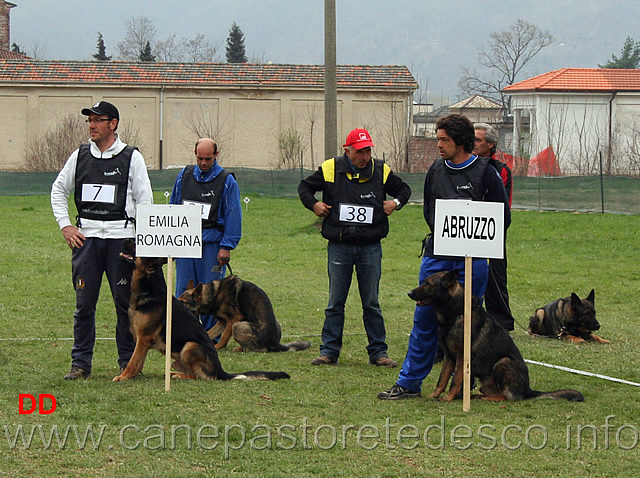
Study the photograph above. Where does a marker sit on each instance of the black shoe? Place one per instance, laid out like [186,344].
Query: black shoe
[397,393]
[76,373]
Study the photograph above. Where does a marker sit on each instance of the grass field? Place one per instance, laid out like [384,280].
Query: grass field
[325,421]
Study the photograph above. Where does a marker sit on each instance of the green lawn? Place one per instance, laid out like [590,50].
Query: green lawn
[325,421]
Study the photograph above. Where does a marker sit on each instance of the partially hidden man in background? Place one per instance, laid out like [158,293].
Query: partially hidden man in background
[110,180]
[456,174]
[216,191]
[355,211]
[497,295]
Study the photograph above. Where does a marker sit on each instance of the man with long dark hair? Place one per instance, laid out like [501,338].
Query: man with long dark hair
[457,174]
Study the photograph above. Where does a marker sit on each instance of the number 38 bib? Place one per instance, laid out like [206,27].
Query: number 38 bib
[356,214]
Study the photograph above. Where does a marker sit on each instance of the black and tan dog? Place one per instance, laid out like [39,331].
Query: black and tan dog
[572,319]
[191,348]
[495,358]
[243,310]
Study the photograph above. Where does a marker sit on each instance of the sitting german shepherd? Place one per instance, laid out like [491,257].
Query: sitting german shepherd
[495,358]
[243,310]
[191,348]
[572,319]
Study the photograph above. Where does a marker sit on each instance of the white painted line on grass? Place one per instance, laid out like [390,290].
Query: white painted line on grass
[580,372]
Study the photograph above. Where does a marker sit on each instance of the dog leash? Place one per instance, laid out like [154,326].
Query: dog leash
[218,268]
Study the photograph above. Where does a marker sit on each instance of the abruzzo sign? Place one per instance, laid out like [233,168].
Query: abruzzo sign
[469,229]
[168,230]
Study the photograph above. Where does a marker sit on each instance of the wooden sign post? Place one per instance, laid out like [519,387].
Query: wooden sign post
[168,230]
[468,229]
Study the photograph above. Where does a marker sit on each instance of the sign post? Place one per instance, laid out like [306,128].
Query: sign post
[168,230]
[468,229]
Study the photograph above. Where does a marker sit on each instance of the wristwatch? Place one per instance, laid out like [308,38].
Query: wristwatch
[398,203]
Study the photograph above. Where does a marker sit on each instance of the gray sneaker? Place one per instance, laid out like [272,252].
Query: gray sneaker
[397,393]
[76,373]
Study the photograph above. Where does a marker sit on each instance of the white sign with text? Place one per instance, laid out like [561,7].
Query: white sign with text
[469,229]
[169,230]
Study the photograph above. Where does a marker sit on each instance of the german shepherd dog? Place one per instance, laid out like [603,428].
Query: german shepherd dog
[572,319]
[243,310]
[495,358]
[191,348]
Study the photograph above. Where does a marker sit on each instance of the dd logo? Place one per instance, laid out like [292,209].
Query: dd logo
[36,403]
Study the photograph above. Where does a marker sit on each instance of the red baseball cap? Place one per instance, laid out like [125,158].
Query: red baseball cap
[359,138]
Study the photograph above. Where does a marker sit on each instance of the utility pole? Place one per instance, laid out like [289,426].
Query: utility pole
[330,82]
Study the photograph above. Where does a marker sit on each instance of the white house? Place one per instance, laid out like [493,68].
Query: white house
[582,115]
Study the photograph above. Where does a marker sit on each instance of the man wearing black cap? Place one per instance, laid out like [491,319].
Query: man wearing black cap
[354,209]
[109,179]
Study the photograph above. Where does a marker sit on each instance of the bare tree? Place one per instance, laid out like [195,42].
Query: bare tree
[199,49]
[508,53]
[49,151]
[290,149]
[312,116]
[201,125]
[140,31]
[421,95]
[168,50]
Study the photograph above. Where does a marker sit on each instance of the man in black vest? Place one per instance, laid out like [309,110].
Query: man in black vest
[497,295]
[354,209]
[208,185]
[457,174]
[110,180]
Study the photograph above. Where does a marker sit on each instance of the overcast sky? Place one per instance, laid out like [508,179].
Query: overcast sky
[434,39]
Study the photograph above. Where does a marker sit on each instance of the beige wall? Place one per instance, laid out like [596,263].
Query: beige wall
[245,122]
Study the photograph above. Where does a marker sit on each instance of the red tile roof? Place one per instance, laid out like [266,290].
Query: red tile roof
[201,74]
[580,79]
[8,54]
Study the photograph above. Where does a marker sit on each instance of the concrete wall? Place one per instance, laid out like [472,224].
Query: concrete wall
[246,122]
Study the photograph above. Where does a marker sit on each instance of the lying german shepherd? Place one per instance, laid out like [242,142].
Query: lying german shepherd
[495,358]
[191,348]
[243,310]
[572,319]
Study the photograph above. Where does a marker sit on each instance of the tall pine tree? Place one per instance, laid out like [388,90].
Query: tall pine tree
[102,51]
[146,55]
[16,49]
[235,45]
[629,56]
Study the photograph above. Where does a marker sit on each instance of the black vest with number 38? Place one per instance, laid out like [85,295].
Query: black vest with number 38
[357,215]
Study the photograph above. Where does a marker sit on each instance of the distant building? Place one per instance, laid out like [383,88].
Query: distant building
[245,106]
[581,114]
[479,110]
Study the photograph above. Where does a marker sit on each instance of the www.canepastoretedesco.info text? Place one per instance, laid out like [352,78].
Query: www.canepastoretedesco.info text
[229,438]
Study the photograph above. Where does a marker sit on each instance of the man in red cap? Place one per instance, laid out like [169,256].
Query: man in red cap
[354,209]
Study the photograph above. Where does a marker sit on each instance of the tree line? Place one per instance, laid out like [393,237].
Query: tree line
[140,44]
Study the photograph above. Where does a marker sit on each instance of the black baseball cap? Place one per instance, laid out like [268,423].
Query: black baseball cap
[103,108]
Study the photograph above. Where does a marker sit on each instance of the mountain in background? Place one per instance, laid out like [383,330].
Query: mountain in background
[433,39]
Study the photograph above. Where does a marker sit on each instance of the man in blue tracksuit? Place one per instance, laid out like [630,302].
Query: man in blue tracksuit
[208,185]
[457,174]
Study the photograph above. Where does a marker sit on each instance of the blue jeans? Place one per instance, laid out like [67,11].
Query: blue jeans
[367,260]
[423,341]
